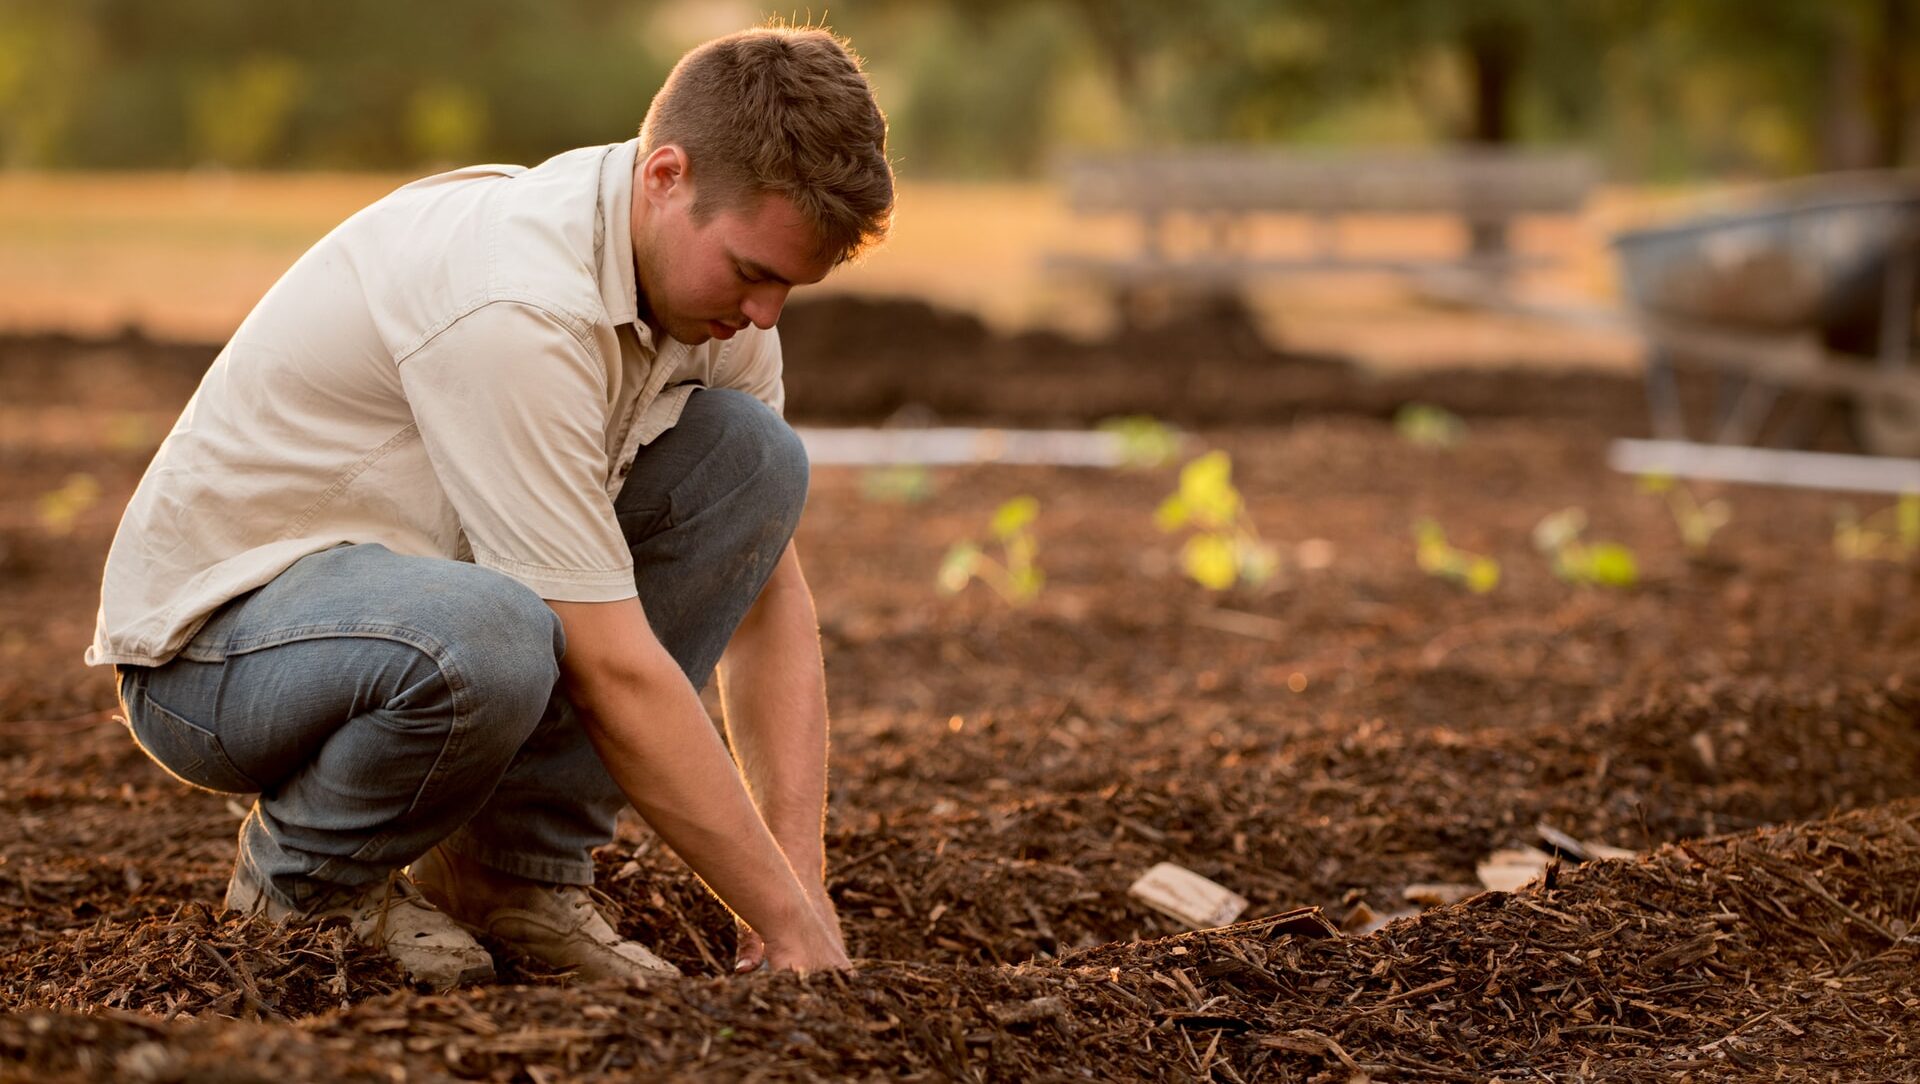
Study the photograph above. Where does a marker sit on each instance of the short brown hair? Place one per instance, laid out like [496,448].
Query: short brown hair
[784,110]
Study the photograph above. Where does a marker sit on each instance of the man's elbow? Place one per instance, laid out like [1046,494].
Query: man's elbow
[612,656]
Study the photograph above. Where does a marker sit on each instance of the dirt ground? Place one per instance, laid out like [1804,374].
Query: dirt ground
[1743,718]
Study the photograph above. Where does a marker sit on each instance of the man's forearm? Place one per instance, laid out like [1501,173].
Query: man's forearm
[774,697]
[647,725]
[674,770]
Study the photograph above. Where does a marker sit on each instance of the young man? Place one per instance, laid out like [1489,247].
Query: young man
[478,495]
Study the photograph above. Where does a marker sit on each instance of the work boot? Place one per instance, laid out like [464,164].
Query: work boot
[556,925]
[390,915]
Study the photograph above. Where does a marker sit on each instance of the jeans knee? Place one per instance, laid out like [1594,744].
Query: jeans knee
[505,651]
[778,458]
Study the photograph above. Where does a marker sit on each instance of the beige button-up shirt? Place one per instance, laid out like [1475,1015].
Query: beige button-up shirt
[456,371]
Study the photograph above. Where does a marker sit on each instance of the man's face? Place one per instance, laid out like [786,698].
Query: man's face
[707,280]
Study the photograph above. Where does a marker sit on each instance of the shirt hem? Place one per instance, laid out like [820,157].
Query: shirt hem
[565,585]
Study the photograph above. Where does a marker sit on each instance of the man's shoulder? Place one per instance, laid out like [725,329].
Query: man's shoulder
[459,241]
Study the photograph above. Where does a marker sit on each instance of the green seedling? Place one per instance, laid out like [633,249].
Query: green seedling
[1575,560]
[1697,521]
[1429,426]
[1225,547]
[59,509]
[1145,441]
[129,432]
[1015,576]
[1436,557]
[1890,534]
[906,483]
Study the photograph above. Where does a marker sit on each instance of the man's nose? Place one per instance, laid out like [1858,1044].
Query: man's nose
[763,306]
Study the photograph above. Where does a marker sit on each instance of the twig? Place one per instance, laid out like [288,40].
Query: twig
[1404,995]
[1241,623]
[1319,1043]
[248,995]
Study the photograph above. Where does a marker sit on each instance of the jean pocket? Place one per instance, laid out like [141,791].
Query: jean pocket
[189,752]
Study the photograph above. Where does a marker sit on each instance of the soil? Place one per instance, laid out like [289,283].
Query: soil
[1743,719]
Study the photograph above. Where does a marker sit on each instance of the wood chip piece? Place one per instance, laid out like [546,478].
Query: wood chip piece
[1363,920]
[1185,895]
[1439,894]
[1562,842]
[1508,870]
[1605,851]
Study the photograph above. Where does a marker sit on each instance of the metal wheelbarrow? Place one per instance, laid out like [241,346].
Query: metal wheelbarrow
[1810,288]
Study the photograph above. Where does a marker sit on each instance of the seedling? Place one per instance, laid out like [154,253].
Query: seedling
[906,483]
[1698,522]
[1890,534]
[1015,577]
[59,509]
[1145,441]
[1225,547]
[1429,426]
[1436,557]
[1575,560]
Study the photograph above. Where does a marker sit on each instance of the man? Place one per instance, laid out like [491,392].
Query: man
[476,498]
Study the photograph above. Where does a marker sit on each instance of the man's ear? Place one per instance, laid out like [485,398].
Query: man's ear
[664,175]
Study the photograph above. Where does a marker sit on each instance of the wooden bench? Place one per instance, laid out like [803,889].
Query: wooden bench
[1222,190]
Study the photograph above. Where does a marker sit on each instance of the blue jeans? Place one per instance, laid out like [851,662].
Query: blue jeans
[380,704]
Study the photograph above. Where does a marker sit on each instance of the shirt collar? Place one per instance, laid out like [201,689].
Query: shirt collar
[618,291]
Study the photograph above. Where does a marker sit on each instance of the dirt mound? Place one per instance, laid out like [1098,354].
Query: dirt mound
[855,360]
[1003,774]
[1614,970]
[852,359]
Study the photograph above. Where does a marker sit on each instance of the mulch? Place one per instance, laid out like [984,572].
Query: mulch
[1780,950]
[1743,718]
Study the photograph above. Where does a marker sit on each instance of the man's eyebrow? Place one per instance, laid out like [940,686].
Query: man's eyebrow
[760,271]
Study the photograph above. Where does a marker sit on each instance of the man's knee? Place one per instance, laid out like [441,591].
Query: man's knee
[498,642]
[769,453]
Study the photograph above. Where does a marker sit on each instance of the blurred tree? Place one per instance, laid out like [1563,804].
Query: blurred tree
[959,116]
[981,87]
[350,83]
[446,123]
[238,115]
[1773,85]
[1471,67]
[45,54]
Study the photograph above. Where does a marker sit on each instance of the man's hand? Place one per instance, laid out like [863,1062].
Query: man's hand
[752,951]
[646,722]
[774,693]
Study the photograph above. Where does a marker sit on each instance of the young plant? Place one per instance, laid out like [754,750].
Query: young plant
[1145,441]
[1603,564]
[60,509]
[1015,577]
[1698,522]
[903,483]
[1225,547]
[1429,426]
[1436,557]
[1890,534]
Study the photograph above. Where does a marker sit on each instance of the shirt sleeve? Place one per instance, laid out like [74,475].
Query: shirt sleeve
[512,410]
[755,368]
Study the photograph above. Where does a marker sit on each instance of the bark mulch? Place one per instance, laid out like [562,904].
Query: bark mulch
[1744,718]
[1784,951]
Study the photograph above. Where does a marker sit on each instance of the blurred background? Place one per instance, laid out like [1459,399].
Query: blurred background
[164,161]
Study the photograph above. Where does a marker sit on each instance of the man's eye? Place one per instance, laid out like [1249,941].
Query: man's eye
[742,272]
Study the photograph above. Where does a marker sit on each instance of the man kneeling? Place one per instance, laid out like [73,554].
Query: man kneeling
[389,568]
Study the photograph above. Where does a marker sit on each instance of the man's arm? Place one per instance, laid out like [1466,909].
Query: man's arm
[773,692]
[647,724]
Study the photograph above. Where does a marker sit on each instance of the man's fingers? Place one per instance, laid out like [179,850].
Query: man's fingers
[752,952]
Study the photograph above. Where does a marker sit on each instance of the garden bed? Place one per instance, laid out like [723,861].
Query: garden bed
[1743,718]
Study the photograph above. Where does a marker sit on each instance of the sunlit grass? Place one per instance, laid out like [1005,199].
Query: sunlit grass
[186,254]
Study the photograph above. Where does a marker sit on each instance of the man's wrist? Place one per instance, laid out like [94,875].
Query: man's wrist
[801,840]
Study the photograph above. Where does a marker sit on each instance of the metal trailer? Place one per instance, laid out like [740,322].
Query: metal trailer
[1810,288]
